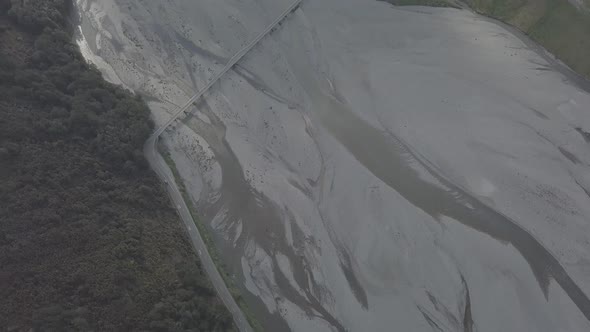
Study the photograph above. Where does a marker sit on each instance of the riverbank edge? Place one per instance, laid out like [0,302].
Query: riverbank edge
[580,68]
[209,242]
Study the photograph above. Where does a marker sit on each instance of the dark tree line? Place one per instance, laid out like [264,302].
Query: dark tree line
[88,239]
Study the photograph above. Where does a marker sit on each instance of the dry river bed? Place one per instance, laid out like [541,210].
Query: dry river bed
[368,167]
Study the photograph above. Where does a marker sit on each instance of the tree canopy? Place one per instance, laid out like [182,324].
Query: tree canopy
[88,239]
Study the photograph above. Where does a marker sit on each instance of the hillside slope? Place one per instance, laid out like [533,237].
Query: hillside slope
[88,239]
[558,25]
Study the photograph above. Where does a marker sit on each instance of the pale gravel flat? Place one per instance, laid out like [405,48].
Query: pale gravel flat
[331,134]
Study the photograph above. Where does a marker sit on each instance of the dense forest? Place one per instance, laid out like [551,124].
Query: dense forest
[88,239]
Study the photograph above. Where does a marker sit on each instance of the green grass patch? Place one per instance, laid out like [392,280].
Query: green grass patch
[555,24]
[209,242]
[565,32]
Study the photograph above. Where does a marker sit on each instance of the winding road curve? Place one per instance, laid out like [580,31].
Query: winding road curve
[158,164]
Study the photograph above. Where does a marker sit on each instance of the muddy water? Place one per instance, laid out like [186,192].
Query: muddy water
[352,221]
[392,161]
[239,208]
